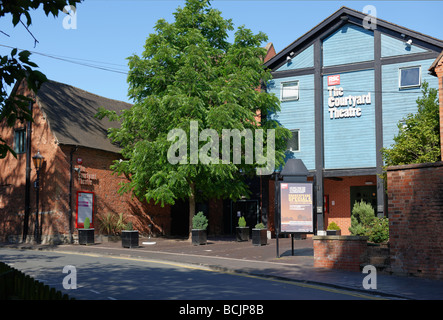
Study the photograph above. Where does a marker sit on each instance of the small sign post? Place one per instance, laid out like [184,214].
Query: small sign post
[295,205]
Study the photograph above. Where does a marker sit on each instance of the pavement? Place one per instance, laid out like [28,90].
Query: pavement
[227,255]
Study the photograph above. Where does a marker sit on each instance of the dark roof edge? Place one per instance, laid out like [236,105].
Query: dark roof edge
[359,15]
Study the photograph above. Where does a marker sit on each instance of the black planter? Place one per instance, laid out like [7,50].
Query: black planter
[259,237]
[86,236]
[333,232]
[199,236]
[242,233]
[129,238]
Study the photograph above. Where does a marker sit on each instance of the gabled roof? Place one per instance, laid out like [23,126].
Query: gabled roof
[434,64]
[70,113]
[346,15]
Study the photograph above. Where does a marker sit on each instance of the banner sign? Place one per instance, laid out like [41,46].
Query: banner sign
[296,207]
[85,208]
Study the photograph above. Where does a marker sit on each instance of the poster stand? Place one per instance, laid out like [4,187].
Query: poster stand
[295,198]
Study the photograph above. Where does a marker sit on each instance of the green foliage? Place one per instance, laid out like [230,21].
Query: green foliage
[129,226]
[365,223]
[379,230]
[199,221]
[361,218]
[190,72]
[86,223]
[333,226]
[260,226]
[17,67]
[110,224]
[242,222]
[418,139]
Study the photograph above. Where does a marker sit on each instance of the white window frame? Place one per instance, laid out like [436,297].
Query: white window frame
[293,98]
[298,136]
[409,86]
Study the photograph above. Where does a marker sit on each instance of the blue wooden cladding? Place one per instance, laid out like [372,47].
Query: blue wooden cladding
[349,100]
[348,44]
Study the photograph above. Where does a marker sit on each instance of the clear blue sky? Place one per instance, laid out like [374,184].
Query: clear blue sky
[109,31]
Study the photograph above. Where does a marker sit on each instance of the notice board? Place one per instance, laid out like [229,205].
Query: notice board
[296,207]
[85,208]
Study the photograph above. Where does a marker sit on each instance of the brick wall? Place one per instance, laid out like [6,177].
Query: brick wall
[340,252]
[54,188]
[415,197]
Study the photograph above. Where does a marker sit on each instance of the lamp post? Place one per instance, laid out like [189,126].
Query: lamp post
[38,162]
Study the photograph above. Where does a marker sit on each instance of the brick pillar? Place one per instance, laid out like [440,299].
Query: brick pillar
[439,71]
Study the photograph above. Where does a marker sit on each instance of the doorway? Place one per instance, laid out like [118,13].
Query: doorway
[367,194]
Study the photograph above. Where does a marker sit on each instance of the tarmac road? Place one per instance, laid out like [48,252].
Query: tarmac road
[127,278]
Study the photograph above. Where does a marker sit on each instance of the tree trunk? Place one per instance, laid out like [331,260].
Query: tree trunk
[191,208]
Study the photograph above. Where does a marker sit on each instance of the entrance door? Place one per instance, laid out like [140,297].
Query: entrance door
[247,209]
[367,194]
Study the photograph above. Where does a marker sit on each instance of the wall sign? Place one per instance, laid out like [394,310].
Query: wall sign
[85,208]
[341,105]
[296,207]
[84,177]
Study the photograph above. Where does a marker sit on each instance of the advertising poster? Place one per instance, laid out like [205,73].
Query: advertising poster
[85,205]
[296,201]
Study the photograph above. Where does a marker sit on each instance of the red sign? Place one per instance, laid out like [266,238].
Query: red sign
[79,160]
[333,80]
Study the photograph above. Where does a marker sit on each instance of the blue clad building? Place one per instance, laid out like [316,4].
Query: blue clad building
[344,86]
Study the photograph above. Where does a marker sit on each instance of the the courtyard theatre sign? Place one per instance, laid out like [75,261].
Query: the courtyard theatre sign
[341,105]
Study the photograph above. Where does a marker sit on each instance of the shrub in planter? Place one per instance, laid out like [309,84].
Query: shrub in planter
[242,231]
[199,225]
[259,235]
[333,229]
[129,237]
[86,235]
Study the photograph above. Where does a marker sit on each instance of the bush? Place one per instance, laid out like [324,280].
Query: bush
[110,224]
[379,230]
[260,226]
[199,221]
[86,223]
[361,219]
[242,222]
[365,223]
[333,226]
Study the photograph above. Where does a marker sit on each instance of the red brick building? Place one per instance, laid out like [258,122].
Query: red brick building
[75,146]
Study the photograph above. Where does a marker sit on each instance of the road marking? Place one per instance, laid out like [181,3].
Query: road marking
[203,268]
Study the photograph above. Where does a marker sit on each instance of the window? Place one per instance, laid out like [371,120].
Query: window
[20,140]
[294,142]
[289,91]
[409,77]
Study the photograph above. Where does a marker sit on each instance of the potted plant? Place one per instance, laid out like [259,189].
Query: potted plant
[199,225]
[129,236]
[86,235]
[333,229]
[242,231]
[259,235]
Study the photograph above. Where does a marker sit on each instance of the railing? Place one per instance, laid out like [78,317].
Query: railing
[15,285]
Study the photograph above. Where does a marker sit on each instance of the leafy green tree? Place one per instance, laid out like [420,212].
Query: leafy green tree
[189,74]
[17,66]
[418,139]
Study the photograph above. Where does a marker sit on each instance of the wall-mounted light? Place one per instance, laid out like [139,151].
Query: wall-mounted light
[409,42]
